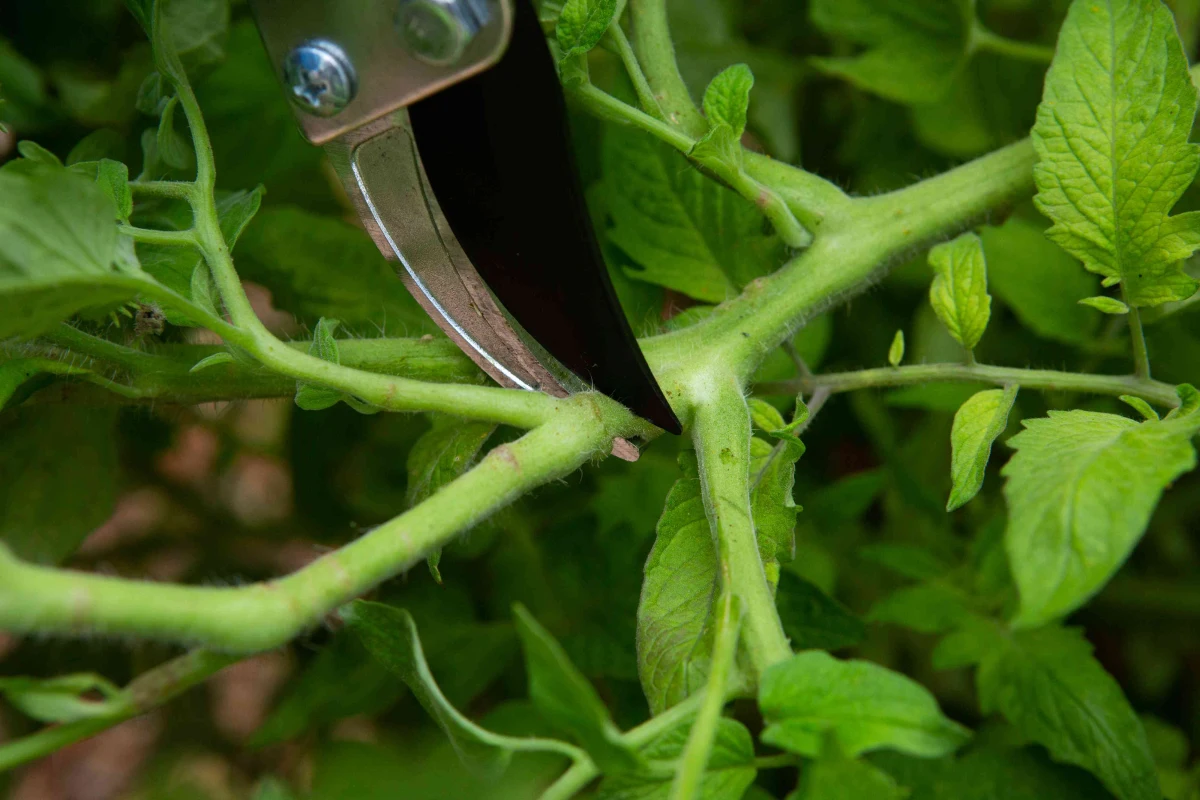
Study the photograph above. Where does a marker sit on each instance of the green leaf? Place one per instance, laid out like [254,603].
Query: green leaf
[772,507]
[567,700]
[677,596]
[1105,305]
[318,266]
[1141,406]
[312,397]
[15,372]
[730,766]
[859,705]
[203,290]
[391,637]
[1189,401]
[992,771]
[113,178]
[271,788]
[727,99]
[1080,490]
[62,699]
[444,452]
[153,94]
[765,416]
[928,608]
[212,361]
[58,479]
[685,231]
[896,350]
[977,424]
[59,249]
[910,561]
[582,24]
[959,293]
[342,680]
[1112,142]
[844,779]
[176,267]
[195,30]
[915,48]
[174,150]
[35,152]
[814,620]
[1041,283]
[1047,684]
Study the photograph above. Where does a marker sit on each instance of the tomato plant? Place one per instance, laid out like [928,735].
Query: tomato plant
[928,532]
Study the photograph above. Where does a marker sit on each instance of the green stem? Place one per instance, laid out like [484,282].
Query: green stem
[656,53]
[694,760]
[147,691]
[857,241]
[781,761]
[668,720]
[786,194]
[634,70]
[47,600]
[185,238]
[1157,392]
[507,406]
[605,106]
[1141,357]
[164,373]
[984,39]
[573,781]
[721,432]
[180,190]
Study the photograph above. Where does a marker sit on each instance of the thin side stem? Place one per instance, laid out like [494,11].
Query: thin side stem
[776,187]
[696,753]
[1141,357]
[186,238]
[1162,394]
[668,720]
[634,70]
[984,39]
[507,406]
[656,53]
[48,600]
[181,190]
[573,781]
[147,691]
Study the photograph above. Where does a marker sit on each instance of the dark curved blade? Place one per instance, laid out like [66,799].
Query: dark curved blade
[497,151]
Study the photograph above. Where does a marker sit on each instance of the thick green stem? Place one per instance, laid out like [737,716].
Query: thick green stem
[1162,394]
[721,431]
[265,615]
[694,761]
[145,692]
[856,242]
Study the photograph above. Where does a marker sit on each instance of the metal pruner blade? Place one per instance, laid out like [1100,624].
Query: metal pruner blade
[446,122]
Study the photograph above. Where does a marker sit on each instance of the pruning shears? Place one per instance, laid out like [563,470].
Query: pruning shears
[446,123]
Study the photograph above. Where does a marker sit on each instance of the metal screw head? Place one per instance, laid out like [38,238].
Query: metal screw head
[320,77]
[438,31]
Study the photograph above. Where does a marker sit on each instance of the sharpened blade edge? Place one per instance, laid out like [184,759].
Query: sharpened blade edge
[420,284]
